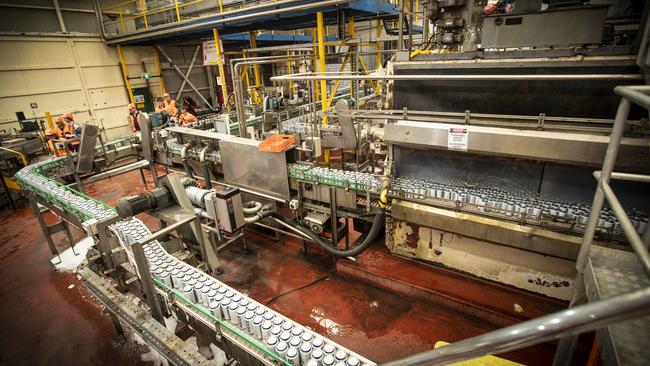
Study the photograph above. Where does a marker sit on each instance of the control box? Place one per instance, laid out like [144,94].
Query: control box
[226,208]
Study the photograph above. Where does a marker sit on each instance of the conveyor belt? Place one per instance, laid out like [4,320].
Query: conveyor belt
[258,323]
[528,209]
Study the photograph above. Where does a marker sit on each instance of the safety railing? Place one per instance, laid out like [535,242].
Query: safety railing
[567,324]
[630,94]
[133,15]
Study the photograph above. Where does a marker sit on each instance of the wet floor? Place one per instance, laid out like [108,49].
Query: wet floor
[378,324]
[43,320]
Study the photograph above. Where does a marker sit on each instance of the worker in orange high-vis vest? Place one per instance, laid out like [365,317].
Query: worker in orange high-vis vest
[70,131]
[52,139]
[186,117]
[134,118]
[170,105]
[59,126]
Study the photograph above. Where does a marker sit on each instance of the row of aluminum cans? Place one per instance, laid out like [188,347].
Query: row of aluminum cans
[289,340]
[30,178]
[516,205]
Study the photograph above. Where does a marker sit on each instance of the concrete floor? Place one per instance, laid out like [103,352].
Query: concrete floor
[44,321]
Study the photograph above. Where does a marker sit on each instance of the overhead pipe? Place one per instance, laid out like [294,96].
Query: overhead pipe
[235,65]
[330,76]
[225,18]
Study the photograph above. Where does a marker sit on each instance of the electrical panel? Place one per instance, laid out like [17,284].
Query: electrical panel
[226,208]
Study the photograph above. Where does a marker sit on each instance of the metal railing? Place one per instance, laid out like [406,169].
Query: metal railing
[567,324]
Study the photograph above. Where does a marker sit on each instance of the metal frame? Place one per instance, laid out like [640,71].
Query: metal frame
[638,95]
[567,324]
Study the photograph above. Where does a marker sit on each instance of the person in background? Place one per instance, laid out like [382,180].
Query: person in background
[160,105]
[71,130]
[186,117]
[52,139]
[170,105]
[134,118]
[59,125]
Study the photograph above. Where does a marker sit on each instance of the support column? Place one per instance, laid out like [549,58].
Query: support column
[125,74]
[156,60]
[323,84]
[256,71]
[222,73]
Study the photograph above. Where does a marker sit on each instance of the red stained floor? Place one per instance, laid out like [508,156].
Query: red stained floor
[42,321]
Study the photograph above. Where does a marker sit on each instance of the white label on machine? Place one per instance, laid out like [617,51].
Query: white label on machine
[457,138]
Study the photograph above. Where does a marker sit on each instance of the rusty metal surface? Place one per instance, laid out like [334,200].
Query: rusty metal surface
[538,273]
[497,231]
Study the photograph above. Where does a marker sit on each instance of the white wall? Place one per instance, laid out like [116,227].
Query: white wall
[78,75]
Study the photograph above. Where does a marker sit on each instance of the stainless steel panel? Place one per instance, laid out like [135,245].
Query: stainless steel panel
[147,140]
[87,148]
[572,148]
[496,231]
[575,26]
[245,166]
[321,193]
[199,133]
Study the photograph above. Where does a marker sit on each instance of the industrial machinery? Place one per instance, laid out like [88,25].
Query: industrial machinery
[480,162]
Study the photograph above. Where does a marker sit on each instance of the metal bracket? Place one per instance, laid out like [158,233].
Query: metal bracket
[540,121]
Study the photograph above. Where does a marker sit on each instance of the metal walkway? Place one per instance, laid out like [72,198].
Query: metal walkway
[612,272]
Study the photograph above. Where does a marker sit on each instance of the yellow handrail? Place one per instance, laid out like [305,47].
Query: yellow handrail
[119,5]
[22,156]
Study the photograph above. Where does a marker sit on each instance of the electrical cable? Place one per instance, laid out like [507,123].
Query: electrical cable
[320,279]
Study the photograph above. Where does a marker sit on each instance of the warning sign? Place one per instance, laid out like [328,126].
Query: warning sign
[457,138]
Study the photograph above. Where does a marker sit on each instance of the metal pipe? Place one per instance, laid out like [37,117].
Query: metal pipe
[599,198]
[630,232]
[225,18]
[370,76]
[550,327]
[400,40]
[117,171]
[334,217]
[634,94]
[235,65]
[630,177]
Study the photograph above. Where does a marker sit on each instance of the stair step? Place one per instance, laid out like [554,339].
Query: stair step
[612,272]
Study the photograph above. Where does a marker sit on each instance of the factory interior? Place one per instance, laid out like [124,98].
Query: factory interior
[325,182]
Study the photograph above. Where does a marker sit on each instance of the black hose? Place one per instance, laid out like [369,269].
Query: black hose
[377,225]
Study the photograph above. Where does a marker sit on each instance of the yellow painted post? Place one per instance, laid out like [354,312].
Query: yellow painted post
[222,74]
[156,61]
[321,61]
[48,118]
[125,73]
[144,14]
[351,50]
[178,12]
[365,71]
[246,72]
[335,88]
[220,6]
[256,71]
[323,85]
[122,22]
